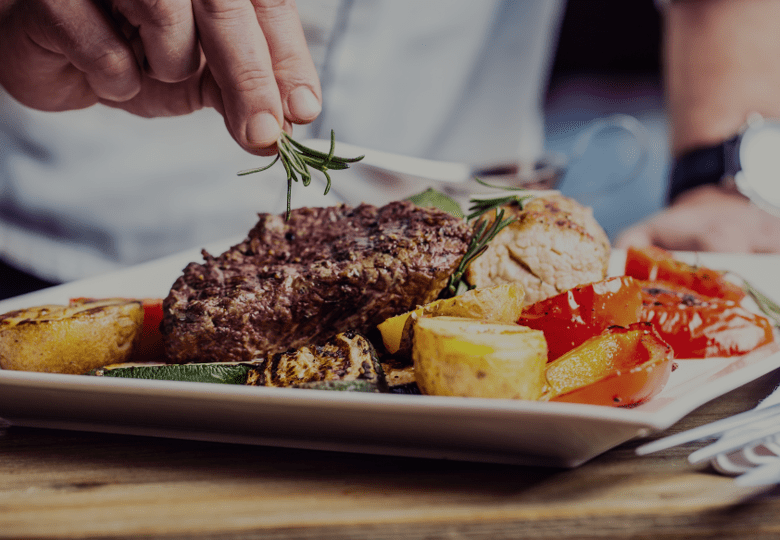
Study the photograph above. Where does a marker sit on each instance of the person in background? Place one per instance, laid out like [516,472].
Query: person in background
[91,188]
[722,64]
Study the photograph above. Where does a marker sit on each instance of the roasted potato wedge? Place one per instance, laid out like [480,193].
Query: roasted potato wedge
[502,303]
[70,339]
[455,356]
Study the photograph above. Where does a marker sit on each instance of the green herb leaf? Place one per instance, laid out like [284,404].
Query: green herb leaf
[767,306]
[430,198]
[484,232]
[297,159]
[481,206]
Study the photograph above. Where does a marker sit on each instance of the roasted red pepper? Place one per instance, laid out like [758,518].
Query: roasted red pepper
[150,346]
[653,263]
[619,367]
[697,326]
[569,318]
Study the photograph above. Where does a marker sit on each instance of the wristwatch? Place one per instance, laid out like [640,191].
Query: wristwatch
[749,162]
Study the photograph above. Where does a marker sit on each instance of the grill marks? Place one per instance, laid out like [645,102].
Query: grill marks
[347,357]
[298,282]
[554,245]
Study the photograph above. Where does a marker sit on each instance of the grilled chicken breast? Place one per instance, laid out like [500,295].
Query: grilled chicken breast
[554,245]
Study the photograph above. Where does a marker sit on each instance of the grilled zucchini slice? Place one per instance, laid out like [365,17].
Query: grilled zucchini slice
[347,362]
[208,373]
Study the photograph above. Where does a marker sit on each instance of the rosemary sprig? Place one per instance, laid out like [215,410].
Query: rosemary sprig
[480,207]
[484,232]
[298,159]
[764,303]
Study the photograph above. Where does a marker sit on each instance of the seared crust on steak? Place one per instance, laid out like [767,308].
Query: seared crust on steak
[554,245]
[299,282]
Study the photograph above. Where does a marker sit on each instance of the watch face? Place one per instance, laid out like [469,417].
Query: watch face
[759,156]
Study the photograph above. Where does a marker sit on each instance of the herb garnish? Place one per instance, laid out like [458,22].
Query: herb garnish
[297,159]
[430,198]
[484,232]
[764,303]
[479,207]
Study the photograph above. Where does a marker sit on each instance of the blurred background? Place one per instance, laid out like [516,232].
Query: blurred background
[608,62]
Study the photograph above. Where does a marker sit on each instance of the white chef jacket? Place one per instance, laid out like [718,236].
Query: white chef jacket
[86,192]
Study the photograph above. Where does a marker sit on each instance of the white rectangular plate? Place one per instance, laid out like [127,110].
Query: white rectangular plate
[556,434]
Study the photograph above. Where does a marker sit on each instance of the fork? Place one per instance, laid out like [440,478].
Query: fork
[747,445]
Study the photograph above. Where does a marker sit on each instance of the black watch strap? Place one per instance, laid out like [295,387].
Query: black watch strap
[702,166]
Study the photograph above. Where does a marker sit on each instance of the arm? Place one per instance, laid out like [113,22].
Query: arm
[722,62]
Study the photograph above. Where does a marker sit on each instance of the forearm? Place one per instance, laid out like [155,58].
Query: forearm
[722,62]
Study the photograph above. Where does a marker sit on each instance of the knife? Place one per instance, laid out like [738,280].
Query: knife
[545,173]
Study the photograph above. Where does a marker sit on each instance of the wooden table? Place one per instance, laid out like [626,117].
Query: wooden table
[59,484]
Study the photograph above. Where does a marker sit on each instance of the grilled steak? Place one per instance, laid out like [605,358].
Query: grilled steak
[299,282]
[554,245]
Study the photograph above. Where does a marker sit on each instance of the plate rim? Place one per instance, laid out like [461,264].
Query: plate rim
[633,421]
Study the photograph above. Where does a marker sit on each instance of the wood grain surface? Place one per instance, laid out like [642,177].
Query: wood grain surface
[60,484]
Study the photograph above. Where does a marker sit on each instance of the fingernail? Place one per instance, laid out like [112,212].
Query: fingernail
[304,104]
[262,129]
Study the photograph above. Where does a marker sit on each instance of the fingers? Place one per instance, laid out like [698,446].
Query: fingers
[240,63]
[258,58]
[682,228]
[158,98]
[668,230]
[707,219]
[294,69]
[636,236]
[69,54]
[81,33]
[166,28]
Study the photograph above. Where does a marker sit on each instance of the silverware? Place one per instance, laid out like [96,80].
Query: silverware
[387,176]
[544,173]
[547,171]
[746,445]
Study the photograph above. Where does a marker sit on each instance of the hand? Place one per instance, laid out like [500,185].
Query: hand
[246,58]
[708,218]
